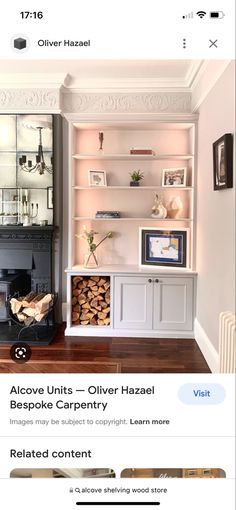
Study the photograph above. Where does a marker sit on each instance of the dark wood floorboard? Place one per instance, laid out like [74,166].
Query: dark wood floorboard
[130,355]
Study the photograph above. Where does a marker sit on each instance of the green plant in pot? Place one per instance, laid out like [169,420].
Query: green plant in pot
[136,177]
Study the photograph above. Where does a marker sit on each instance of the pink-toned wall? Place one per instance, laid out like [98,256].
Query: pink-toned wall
[215,212]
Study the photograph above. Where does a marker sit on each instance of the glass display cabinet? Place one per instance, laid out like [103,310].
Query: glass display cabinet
[26,170]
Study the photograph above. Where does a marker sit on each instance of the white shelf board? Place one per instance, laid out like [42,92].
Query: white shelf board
[134,157]
[177,123]
[127,218]
[128,269]
[143,188]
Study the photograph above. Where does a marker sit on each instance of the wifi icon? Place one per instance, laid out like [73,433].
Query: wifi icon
[201,14]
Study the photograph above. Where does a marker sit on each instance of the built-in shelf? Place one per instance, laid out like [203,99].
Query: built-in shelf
[134,157]
[144,188]
[127,269]
[173,145]
[127,218]
[157,287]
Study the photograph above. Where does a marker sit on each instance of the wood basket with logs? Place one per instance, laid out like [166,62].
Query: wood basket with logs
[91,300]
[31,309]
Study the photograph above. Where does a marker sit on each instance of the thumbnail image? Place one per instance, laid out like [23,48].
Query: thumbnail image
[173,473]
[62,473]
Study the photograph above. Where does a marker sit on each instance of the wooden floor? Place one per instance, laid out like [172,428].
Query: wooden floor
[96,355]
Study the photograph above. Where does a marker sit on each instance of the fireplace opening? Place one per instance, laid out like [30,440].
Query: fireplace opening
[12,282]
[26,262]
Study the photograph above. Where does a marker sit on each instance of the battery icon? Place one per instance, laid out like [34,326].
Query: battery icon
[217,14]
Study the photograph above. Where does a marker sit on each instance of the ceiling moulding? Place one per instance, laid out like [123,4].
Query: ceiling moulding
[28,100]
[121,84]
[31,80]
[193,70]
[205,80]
[172,102]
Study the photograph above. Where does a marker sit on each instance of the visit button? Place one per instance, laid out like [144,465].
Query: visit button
[202,394]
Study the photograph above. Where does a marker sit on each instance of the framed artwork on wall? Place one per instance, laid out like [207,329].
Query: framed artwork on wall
[223,162]
[97,178]
[174,177]
[162,247]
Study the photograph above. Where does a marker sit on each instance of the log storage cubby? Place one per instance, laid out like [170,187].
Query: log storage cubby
[90,300]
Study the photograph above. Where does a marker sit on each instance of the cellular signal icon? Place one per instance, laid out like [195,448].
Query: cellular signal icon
[201,14]
[188,16]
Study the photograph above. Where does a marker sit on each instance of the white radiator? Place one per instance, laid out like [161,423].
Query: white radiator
[227,342]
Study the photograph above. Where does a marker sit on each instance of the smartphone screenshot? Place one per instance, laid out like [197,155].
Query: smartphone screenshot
[117,255]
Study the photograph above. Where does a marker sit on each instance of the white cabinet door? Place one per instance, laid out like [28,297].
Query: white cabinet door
[133,301]
[173,304]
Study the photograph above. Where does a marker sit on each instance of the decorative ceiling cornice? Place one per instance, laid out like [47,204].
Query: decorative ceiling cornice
[171,102]
[56,92]
[209,73]
[28,100]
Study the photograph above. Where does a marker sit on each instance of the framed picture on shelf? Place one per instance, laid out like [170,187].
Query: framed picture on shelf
[223,162]
[97,178]
[162,247]
[49,197]
[174,177]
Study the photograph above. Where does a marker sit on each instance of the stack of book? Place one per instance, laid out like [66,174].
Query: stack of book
[107,214]
[142,151]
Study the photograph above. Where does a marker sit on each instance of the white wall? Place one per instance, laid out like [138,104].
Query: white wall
[215,212]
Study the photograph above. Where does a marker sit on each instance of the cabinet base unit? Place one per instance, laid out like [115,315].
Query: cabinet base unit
[150,305]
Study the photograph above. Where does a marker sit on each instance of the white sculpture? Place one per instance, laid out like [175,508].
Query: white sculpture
[158,210]
[174,207]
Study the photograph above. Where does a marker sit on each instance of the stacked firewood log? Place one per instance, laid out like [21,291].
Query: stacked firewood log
[31,308]
[91,300]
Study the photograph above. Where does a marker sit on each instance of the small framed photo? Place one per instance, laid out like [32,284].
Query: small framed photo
[162,247]
[97,178]
[49,197]
[174,177]
[223,162]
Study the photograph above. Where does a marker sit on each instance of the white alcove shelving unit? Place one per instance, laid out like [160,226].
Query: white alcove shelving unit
[145,302]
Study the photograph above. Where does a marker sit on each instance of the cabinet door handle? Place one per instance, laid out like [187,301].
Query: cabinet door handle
[156,280]
[149,280]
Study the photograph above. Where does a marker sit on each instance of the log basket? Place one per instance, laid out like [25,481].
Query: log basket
[23,328]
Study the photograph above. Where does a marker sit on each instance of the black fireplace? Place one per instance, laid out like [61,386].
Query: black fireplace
[25,265]
[29,249]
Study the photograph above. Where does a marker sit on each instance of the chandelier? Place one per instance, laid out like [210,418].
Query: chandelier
[40,165]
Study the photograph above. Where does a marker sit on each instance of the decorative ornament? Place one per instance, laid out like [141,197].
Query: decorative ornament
[174,207]
[101,140]
[158,210]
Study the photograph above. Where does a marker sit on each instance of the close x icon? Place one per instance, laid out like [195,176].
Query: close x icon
[213,44]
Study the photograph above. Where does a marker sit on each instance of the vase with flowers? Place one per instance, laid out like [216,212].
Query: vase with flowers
[90,259]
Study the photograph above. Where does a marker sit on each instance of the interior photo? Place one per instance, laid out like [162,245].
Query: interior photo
[173,473]
[117,216]
[62,473]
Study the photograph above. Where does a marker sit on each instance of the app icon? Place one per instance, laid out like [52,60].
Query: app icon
[20,43]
